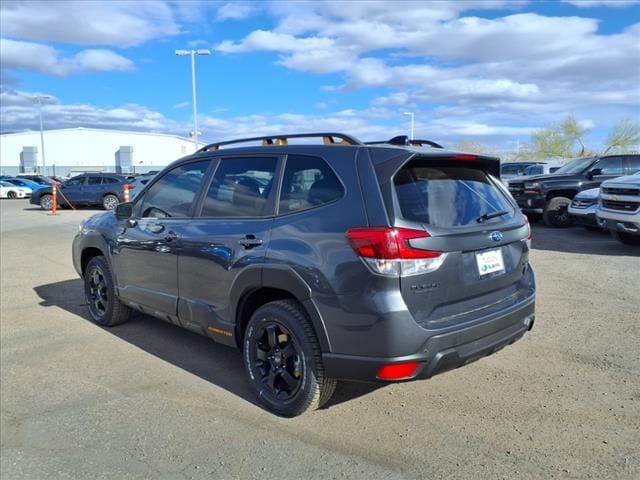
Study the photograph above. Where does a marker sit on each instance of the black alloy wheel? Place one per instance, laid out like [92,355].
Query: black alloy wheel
[556,213]
[11,195]
[104,306]
[283,360]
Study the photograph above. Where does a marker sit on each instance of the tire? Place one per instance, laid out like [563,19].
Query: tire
[556,213]
[283,362]
[105,308]
[110,201]
[11,195]
[46,202]
[626,238]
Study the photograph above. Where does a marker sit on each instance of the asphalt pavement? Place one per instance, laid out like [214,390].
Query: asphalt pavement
[147,400]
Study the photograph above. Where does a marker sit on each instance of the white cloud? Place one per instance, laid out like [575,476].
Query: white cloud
[118,23]
[235,11]
[602,3]
[181,105]
[35,57]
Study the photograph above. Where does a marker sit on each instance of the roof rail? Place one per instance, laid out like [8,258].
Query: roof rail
[403,140]
[328,138]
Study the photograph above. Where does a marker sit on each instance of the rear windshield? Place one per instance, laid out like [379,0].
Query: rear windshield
[449,196]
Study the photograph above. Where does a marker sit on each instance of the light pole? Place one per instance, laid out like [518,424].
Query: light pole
[193,53]
[44,164]
[413,117]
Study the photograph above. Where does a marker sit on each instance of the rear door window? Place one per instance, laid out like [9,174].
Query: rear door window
[449,196]
[308,182]
[633,164]
[94,181]
[241,188]
[610,166]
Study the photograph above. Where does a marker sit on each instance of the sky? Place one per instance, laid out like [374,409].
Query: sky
[486,71]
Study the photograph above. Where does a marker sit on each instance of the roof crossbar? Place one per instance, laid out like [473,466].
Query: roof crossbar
[403,140]
[328,138]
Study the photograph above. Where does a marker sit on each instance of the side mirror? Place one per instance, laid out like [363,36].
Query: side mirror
[594,172]
[124,211]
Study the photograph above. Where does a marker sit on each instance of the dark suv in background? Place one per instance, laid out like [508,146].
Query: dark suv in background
[551,195]
[378,263]
[104,189]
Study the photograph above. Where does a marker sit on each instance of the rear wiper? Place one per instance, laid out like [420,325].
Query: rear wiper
[488,216]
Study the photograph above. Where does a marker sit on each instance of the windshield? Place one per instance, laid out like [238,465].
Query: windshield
[576,166]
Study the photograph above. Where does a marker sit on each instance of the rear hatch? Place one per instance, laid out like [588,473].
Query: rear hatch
[472,221]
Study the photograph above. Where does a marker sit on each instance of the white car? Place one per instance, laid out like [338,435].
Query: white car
[619,208]
[11,191]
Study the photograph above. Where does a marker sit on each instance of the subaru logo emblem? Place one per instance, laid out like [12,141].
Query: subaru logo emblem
[496,236]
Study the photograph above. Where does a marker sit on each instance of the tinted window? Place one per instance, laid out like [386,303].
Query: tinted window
[75,181]
[512,169]
[308,182]
[240,188]
[633,164]
[110,180]
[447,196]
[94,181]
[610,166]
[533,170]
[172,195]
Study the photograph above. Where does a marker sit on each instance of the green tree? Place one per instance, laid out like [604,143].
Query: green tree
[573,132]
[624,137]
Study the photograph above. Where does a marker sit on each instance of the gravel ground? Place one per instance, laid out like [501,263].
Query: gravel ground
[148,400]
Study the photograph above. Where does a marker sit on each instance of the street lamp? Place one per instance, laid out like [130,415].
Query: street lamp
[413,117]
[40,98]
[193,53]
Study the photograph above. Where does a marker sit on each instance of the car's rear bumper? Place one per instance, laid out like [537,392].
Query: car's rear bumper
[442,352]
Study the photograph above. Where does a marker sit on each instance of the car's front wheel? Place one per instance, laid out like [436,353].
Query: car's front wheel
[556,213]
[11,195]
[104,306]
[283,361]
[110,201]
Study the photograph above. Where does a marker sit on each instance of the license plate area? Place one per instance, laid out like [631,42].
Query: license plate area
[490,261]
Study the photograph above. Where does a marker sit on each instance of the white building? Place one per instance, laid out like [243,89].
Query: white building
[89,149]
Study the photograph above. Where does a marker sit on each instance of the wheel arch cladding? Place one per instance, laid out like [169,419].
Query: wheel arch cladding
[87,255]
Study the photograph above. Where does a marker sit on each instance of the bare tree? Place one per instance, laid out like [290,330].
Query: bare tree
[624,137]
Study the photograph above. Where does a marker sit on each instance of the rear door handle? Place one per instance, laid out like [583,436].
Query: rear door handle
[250,241]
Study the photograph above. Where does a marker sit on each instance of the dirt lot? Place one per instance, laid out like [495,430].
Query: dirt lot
[148,400]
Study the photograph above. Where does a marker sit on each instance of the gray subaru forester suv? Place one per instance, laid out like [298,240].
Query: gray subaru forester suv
[378,262]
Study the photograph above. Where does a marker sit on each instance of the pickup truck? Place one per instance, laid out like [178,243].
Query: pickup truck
[551,195]
[619,208]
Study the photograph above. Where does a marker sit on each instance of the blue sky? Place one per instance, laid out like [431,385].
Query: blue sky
[488,71]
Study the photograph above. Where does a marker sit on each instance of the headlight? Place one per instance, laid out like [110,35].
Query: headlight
[531,185]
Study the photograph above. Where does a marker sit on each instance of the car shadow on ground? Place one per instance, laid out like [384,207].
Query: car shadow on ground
[189,351]
[579,240]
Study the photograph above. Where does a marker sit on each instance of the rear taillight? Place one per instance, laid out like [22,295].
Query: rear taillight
[397,371]
[387,251]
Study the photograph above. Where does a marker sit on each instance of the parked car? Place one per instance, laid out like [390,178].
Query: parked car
[583,208]
[39,179]
[551,195]
[341,260]
[11,191]
[542,168]
[104,189]
[509,170]
[138,183]
[619,208]
[23,182]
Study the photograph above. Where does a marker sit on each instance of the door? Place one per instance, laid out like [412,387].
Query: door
[72,190]
[225,244]
[605,169]
[145,258]
[92,192]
